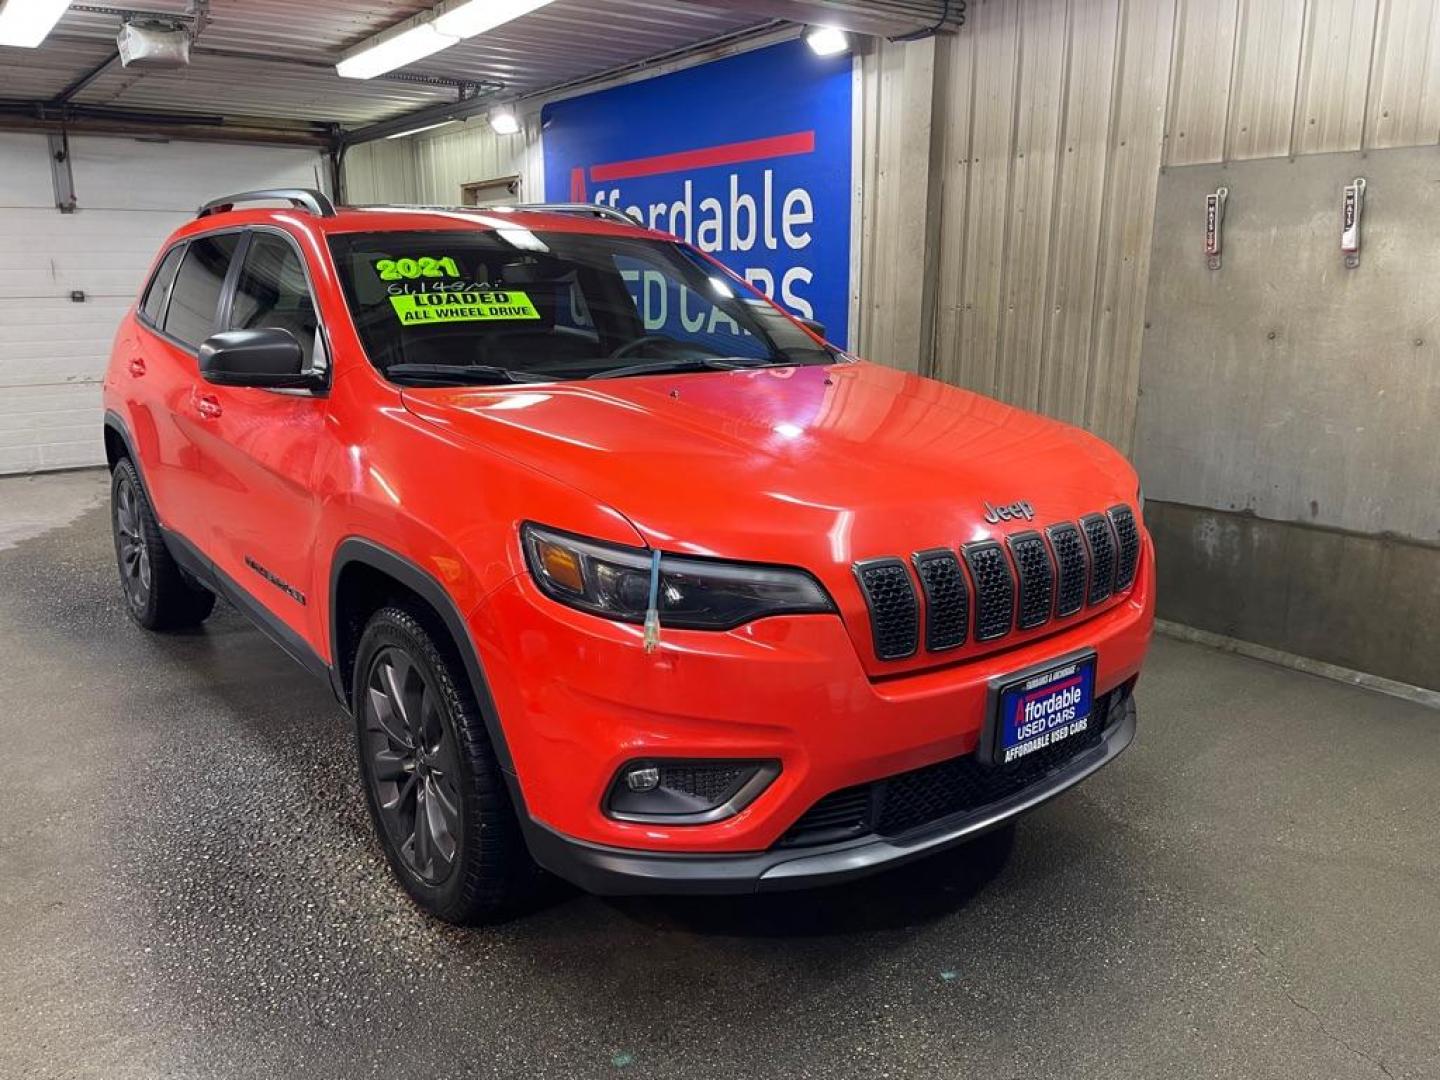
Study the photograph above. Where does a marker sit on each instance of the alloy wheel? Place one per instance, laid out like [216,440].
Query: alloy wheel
[130,542]
[413,766]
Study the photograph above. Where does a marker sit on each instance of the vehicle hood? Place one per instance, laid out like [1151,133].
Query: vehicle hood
[808,466]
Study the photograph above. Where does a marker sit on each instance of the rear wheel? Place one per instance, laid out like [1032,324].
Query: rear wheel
[157,593]
[432,780]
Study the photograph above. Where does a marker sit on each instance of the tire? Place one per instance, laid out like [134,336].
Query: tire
[431,777]
[157,593]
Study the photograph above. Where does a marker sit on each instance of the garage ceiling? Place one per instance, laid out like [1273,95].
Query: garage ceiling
[274,59]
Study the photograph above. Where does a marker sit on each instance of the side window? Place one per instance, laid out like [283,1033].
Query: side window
[196,293]
[272,292]
[153,305]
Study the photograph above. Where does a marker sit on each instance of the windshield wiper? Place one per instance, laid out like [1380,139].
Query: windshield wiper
[462,373]
[689,363]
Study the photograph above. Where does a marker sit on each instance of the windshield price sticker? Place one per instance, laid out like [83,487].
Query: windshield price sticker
[437,307]
[423,266]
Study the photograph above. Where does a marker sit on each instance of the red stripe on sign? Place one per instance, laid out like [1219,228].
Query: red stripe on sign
[1046,691]
[800,142]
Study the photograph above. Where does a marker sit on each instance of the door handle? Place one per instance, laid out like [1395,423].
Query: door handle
[207,407]
[137,366]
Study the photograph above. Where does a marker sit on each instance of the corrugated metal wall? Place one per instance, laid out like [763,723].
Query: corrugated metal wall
[1049,123]
[432,168]
[1008,172]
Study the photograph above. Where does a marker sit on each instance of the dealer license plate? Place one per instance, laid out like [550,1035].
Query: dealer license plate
[1041,708]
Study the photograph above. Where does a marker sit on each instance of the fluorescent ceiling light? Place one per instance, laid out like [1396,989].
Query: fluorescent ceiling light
[826,40]
[386,53]
[504,121]
[415,131]
[25,23]
[466,18]
[426,127]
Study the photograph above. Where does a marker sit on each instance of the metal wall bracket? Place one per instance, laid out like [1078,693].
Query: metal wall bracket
[1351,207]
[1215,226]
[61,178]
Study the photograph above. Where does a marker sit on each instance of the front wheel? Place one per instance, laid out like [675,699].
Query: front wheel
[158,596]
[431,777]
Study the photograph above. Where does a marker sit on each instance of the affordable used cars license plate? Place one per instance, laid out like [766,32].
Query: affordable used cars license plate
[1040,708]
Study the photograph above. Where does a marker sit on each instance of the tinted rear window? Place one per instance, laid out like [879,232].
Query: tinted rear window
[159,288]
[196,292]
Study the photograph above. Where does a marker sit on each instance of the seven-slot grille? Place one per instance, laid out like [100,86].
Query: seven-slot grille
[994,588]
[1128,552]
[1070,559]
[947,599]
[1101,542]
[894,611]
[1037,578]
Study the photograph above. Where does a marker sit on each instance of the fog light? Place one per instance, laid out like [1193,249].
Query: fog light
[645,778]
[686,792]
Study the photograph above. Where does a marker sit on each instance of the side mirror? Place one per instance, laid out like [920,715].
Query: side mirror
[815,326]
[269,357]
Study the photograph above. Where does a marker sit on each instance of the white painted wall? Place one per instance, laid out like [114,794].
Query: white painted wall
[131,195]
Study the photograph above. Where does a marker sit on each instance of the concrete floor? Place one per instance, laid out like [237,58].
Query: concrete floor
[188,887]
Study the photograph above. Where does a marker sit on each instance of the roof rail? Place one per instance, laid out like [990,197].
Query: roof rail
[600,210]
[316,202]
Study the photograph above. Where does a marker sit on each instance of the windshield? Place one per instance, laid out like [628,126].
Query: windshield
[455,307]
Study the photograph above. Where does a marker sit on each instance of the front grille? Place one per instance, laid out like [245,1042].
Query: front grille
[994,589]
[1128,552]
[894,611]
[921,797]
[1070,557]
[1037,578]
[1101,542]
[1023,583]
[947,599]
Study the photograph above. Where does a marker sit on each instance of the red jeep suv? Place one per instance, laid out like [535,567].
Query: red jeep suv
[622,571]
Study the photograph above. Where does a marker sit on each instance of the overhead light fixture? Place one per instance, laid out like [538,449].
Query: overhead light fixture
[423,34]
[393,50]
[417,130]
[26,23]
[466,18]
[504,120]
[827,40]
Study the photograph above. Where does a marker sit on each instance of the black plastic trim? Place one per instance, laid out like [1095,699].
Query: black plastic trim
[969,551]
[356,549]
[1098,592]
[198,566]
[1022,585]
[1050,534]
[922,558]
[1124,577]
[888,561]
[765,770]
[621,871]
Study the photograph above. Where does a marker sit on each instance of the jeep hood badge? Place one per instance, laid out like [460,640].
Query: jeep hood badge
[996,514]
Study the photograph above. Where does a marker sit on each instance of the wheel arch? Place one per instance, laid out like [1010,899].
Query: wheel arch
[364,577]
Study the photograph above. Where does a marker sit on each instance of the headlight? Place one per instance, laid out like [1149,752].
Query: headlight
[698,594]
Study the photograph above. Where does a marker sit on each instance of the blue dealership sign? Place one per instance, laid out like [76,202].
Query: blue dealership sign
[748,158]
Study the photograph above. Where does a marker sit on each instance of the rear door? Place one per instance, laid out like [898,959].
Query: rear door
[259,450]
[161,376]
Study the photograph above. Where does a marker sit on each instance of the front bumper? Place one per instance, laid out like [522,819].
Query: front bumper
[611,871]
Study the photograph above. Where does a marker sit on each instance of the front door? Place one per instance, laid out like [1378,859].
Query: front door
[262,449]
